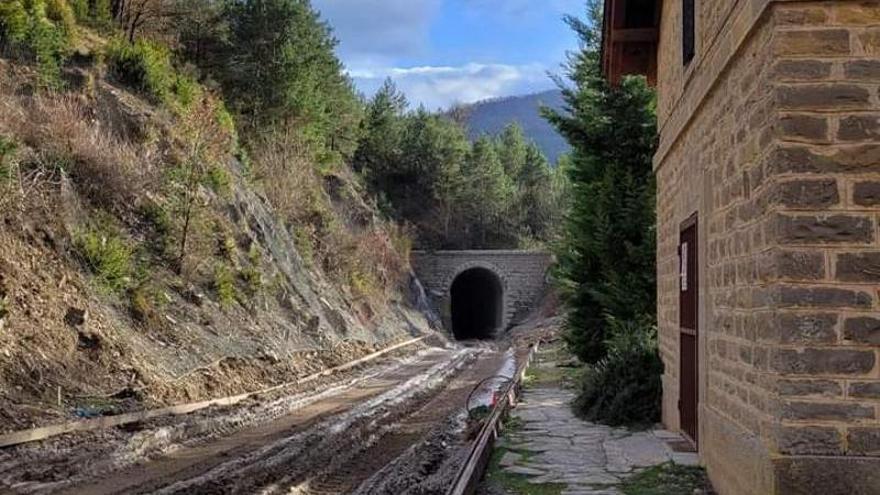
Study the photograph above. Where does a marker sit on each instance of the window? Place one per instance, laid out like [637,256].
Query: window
[688,31]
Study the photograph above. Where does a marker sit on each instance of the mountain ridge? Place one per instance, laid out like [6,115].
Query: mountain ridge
[490,117]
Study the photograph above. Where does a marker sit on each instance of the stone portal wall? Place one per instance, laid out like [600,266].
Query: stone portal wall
[772,136]
[523,276]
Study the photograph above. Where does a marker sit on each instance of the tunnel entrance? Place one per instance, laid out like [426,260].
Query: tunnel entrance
[477,304]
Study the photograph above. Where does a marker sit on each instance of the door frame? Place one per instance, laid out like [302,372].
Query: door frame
[694,278]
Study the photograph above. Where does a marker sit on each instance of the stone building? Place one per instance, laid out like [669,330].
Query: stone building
[768,173]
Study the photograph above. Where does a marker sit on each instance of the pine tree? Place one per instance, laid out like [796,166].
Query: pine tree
[536,198]
[606,259]
[512,149]
[281,70]
[489,191]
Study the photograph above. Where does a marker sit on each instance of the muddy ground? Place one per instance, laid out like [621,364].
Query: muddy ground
[397,427]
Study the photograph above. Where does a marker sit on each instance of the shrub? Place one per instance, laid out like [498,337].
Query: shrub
[62,15]
[144,66]
[219,181]
[145,304]
[108,171]
[224,284]
[80,9]
[7,151]
[108,257]
[624,387]
[13,23]
[39,31]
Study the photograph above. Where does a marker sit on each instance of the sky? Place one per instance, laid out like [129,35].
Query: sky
[442,52]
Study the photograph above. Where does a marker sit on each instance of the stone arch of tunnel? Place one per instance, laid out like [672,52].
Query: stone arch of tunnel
[476,304]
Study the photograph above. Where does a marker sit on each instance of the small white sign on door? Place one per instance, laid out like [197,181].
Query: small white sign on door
[683,258]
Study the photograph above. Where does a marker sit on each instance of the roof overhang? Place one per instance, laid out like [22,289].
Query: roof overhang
[630,35]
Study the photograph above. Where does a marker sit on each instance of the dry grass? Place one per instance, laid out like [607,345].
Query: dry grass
[59,135]
[282,168]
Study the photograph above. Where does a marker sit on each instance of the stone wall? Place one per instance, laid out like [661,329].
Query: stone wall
[772,136]
[523,276]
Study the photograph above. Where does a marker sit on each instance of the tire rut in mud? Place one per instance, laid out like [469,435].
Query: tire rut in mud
[291,456]
[412,436]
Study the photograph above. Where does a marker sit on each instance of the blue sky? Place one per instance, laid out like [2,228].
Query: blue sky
[442,52]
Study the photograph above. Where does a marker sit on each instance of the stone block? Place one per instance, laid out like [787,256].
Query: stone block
[862,329]
[822,297]
[870,42]
[823,97]
[866,193]
[858,267]
[859,127]
[864,441]
[802,159]
[814,42]
[826,411]
[823,361]
[801,16]
[813,229]
[808,193]
[862,70]
[825,475]
[807,388]
[800,265]
[794,328]
[864,390]
[809,440]
[804,127]
[802,70]
[857,14]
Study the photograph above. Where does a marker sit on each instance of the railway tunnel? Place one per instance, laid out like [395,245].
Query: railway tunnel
[477,304]
[478,294]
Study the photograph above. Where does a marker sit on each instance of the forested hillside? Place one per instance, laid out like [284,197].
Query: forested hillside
[492,116]
[178,217]
[498,191]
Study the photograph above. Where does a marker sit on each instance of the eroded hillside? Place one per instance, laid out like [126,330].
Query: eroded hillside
[150,255]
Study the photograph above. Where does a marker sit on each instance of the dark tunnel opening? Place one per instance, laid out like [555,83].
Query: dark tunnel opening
[477,298]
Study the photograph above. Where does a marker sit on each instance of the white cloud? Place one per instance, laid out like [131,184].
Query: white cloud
[439,86]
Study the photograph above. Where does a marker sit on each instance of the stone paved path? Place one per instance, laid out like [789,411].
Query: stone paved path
[554,446]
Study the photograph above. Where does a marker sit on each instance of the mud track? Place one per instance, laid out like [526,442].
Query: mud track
[329,446]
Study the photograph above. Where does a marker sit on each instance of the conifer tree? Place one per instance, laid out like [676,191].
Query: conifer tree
[281,70]
[606,260]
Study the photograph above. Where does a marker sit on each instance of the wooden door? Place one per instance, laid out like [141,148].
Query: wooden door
[689,288]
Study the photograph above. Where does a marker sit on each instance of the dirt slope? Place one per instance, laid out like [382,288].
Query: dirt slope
[251,309]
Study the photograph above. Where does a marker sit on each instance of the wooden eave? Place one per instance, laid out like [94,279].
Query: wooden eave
[626,49]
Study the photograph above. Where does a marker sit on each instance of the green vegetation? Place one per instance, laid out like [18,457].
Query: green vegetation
[606,258]
[279,70]
[109,257]
[624,387]
[668,479]
[495,193]
[224,284]
[8,148]
[146,67]
[41,31]
[218,179]
[517,483]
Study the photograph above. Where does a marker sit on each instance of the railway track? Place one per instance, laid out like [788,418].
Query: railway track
[330,446]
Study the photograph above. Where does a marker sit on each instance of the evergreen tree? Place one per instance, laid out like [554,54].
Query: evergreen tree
[536,198]
[489,191]
[512,149]
[281,70]
[606,259]
[382,131]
